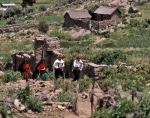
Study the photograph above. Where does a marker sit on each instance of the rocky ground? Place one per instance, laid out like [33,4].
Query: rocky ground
[44,91]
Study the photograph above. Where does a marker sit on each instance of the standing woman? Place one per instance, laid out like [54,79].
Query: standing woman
[40,70]
[77,67]
[25,70]
[58,66]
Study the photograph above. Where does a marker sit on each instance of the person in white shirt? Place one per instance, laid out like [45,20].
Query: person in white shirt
[58,67]
[77,67]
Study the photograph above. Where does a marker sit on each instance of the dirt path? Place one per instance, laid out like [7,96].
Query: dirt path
[98,40]
[84,110]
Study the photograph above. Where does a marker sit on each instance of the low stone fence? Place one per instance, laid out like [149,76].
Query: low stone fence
[25,25]
[139,14]
[97,27]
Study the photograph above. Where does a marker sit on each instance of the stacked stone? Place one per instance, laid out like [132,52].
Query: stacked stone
[20,56]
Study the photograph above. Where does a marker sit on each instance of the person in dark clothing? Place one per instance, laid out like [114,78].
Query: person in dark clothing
[58,67]
[25,70]
[40,70]
[77,67]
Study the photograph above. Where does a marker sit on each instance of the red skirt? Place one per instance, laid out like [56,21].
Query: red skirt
[26,75]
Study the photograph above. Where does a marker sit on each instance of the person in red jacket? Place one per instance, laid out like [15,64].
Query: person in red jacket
[40,70]
[25,70]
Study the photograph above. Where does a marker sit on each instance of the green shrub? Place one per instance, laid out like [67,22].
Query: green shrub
[84,83]
[144,103]
[11,21]
[11,76]
[3,111]
[62,97]
[24,94]
[43,27]
[34,104]
[17,11]
[110,57]
[30,10]
[131,10]
[122,108]
[9,13]
[144,24]
[134,23]
[42,8]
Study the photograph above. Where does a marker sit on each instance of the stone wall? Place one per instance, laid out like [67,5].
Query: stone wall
[22,26]
[97,27]
[48,48]
[20,56]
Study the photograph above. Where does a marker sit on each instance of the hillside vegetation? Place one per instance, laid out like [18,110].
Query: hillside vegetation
[129,45]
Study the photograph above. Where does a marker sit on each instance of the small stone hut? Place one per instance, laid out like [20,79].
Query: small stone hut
[107,13]
[71,17]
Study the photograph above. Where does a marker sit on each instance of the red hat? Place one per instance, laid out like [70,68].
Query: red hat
[78,56]
[60,56]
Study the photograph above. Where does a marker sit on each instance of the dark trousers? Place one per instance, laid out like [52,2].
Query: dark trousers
[59,72]
[76,74]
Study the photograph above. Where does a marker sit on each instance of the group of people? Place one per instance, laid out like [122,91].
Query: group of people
[58,69]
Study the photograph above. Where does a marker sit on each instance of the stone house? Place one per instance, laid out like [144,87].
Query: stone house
[107,13]
[71,16]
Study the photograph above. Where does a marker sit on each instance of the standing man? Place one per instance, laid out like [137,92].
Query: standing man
[58,66]
[77,67]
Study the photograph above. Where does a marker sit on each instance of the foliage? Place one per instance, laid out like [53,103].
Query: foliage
[11,76]
[43,27]
[30,10]
[144,24]
[34,104]
[109,57]
[24,94]
[9,13]
[144,103]
[62,97]
[122,108]
[65,84]
[17,11]
[127,78]
[140,36]
[134,23]
[3,111]
[42,8]
[131,10]
[51,75]
[28,2]
[11,21]
[84,83]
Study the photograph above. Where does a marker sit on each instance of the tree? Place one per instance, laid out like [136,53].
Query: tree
[43,27]
[27,2]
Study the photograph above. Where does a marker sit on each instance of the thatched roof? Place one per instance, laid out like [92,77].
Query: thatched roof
[76,14]
[105,10]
